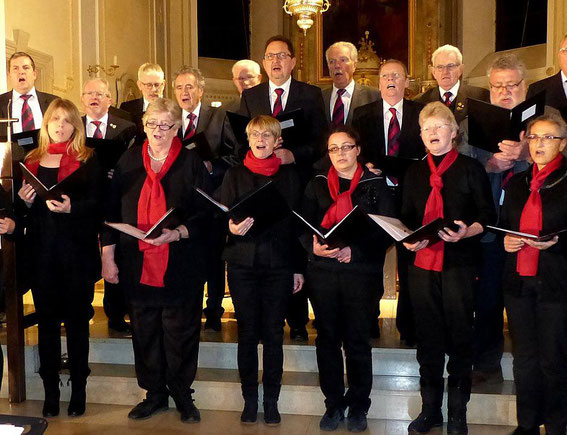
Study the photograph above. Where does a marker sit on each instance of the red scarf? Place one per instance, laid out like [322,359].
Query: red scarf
[268,166]
[531,220]
[68,164]
[343,201]
[431,257]
[151,207]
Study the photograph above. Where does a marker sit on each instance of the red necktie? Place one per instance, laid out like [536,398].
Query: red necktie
[278,103]
[339,109]
[97,133]
[190,127]
[393,135]
[447,96]
[27,115]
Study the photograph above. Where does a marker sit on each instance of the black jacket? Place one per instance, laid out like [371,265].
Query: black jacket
[554,92]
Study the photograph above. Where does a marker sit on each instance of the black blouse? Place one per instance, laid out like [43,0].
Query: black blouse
[550,280]
[186,265]
[277,247]
[372,196]
[466,196]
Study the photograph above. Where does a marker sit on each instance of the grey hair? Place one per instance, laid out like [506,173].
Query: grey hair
[99,80]
[248,64]
[552,118]
[163,105]
[150,69]
[190,70]
[352,51]
[447,48]
[508,61]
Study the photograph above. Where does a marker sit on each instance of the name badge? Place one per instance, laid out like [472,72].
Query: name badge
[191,146]
[529,112]
[286,124]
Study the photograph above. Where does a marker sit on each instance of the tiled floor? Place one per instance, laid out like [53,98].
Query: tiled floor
[112,419]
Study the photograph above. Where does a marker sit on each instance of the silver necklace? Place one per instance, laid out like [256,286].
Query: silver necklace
[155,159]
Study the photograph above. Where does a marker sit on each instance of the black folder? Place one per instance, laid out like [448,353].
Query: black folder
[519,234]
[399,232]
[107,151]
[66,186]
[169,220]
[265,205]
[490,124]
[28,140]
[201,145]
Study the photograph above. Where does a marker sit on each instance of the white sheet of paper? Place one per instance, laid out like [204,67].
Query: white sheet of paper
[530,111]
[286,124]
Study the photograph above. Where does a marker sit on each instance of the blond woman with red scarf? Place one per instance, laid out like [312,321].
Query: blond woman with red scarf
[163,278]
[535,292]
[442,278]
[263,271]
[344,284]
[63,250]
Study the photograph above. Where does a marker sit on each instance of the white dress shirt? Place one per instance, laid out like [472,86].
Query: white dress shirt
[564,82]
[454,91]
[273,95]
[346,97]
[17,104]
[91,127]
[195,112]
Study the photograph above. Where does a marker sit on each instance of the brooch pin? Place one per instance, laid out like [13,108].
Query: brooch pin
[112,125]
[460,106]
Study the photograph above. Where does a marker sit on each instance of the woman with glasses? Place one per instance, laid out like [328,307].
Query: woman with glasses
[63,250]
[535,291]
[344,284]
[163,277]
[442,278]
[264,270]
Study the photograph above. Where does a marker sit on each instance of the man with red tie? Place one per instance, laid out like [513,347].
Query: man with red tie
[345,95]
[23,102]
[447,69]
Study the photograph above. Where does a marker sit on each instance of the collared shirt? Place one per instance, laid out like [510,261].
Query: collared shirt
[454,91]
[146,104]
[564,82]
[346,97]
[273,95]
[399,106]
[91,127]
[17,104]
[195,112]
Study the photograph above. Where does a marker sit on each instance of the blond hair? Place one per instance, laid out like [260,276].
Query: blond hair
[163,105]
[438,110]
[264,122]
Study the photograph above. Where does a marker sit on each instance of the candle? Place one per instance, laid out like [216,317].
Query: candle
[115,62]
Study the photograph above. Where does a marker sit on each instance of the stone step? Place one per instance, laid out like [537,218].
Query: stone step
[393,397]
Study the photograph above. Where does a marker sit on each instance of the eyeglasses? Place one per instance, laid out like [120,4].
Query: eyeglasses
[434,128]
[281,55]
[448,67]
[345,148]
[244,79]
[545,139]
[150,86]
[163,127]
[266,135]
[394,76]
[563,50]
[96,94]
[509,87]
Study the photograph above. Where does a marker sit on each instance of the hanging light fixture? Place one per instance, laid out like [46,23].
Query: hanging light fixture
[305,10]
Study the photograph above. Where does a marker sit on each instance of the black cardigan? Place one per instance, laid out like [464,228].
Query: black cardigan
[372,196]
[466,196]
[185,274]
[550,279]
[278,247]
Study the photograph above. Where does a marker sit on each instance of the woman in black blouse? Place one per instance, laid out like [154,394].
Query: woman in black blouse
[344,284]
[264,270]
[535,290]
[63,246]
[442,279]
[163,277]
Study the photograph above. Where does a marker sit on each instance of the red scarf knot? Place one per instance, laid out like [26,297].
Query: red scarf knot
[342,204]
[268,166]
[67,165]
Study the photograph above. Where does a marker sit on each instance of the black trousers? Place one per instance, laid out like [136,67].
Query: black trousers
[489,309]
[260,298]
[405,318]
[344,305]
[297,314]
[166,347]
[539,338]
[216,268]
[443,308]
[114,302]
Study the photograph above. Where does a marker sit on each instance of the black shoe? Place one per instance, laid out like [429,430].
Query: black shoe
[271,413]
[522,431]
[425,422]
[213,324]
[147,408]
[119,325]
[78,402]
[356,420]
[250,412]
[51,403]
[331,419]
[190,413]
[457,424]
[299,334]
[375,329]
[492,377]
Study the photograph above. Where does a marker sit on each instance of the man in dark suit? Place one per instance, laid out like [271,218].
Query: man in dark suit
[389,127]
[23,101]
[189,86]
[101,124]
[556,85]
[447,68]
[281,94]
[345,95]
[151,83]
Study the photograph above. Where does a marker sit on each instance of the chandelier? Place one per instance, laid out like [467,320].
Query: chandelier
[305,10]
